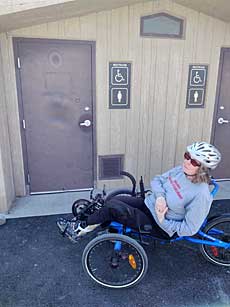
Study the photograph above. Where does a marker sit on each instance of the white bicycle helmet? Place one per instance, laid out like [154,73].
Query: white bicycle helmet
[205,153]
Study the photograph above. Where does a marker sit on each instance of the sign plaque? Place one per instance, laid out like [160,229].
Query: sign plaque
[119,85]
[197,79]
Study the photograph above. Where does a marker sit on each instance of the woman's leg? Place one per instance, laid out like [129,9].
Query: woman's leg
[135,202]
[113,210]
[127,210]
[139,203]
[122,212]
[136,214]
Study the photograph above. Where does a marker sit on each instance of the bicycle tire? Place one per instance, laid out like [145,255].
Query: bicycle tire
[217,255]
[117,192]
[98,261]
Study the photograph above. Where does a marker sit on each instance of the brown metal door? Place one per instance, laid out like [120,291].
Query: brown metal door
[221,127]
[56,94]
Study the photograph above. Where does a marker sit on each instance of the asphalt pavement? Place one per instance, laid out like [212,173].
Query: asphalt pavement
[40,268]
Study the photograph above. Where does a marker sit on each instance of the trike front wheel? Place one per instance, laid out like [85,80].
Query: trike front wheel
[218,228]
[79,206]
[115,261]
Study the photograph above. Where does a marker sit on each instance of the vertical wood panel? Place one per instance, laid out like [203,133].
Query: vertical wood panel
[189,51]
[52,29]
[175,87]
[37,31]
[227,35]
[61,29]
[203,52]
[163,49]
[102,76]
[123,54]
[88,27]
[12,114]
[119,48]
[161,86]
[7,193]
[151,111]
[133,115]
[116,145]
[143,136]
[173,103]
[72,28]
[119,52]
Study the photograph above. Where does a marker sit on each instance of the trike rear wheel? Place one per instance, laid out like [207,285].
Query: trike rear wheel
[219,228]
[115,261]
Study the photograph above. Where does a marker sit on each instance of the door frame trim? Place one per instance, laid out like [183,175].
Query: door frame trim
[218,86]
[16,41]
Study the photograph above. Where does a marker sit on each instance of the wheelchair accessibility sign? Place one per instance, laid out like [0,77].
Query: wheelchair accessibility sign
[120,76]
[119,85]
[196,89]
[198,76]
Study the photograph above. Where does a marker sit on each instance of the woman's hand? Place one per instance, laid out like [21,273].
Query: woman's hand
[161,208]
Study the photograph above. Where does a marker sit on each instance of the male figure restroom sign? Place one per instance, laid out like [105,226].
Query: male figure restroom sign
[119,85]
[197,79]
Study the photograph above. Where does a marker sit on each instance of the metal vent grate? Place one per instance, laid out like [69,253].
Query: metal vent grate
[110,167]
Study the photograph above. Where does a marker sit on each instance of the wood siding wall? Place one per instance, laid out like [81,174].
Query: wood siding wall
[153,134]
[7,191]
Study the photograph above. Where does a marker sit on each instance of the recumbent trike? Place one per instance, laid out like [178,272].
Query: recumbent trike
[115,258]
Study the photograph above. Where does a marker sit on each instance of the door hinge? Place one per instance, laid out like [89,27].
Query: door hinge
[19,63]
[24,124]
[28,178]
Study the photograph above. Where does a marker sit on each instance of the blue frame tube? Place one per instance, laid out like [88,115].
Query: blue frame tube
[117,246]
[217,243]
[119,228]
[212,241]
[216,187]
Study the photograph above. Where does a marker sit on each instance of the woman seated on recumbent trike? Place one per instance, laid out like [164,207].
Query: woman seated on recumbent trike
[179,203]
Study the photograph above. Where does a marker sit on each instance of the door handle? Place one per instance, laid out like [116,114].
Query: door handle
[86,123]
[222,121]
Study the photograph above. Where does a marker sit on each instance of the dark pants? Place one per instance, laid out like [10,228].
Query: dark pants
[129,211]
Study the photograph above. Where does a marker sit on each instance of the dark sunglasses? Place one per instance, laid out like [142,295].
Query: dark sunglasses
[193,162]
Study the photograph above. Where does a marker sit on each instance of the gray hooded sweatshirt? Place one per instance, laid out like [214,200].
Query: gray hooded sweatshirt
[188,203]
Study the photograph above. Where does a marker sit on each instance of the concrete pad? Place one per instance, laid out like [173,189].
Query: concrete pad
[46,204]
